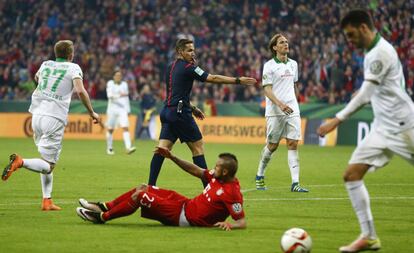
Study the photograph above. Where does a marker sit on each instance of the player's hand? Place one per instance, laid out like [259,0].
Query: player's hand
[247,80]
[198,113]
[165,152]
[95,117]
[328,126]
[223,225]
[286,109]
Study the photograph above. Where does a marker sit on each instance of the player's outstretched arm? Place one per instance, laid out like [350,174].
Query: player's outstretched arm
[364,96]
[186,166]
[230,80]
[84,97]
[225,225]
[328,127]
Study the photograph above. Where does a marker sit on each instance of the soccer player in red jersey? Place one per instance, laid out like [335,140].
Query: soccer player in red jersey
[220,199]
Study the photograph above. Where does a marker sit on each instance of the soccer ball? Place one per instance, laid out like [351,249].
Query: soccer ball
[296,240]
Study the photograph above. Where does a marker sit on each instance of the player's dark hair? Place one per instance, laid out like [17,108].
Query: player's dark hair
[181,43]
[273,42]
[63,49]
[356,18]
[230,163]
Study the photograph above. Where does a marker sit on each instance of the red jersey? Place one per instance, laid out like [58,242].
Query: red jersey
[216,203]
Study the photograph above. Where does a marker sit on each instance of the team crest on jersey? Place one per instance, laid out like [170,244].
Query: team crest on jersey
[264,77]
[219,192]
[237,207]
[199,71]
[376,67]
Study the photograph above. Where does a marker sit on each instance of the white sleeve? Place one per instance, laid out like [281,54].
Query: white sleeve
[110,92]
[375,68]
[126,88]
[363,97]
[267,76]
[296,78]
[76,72]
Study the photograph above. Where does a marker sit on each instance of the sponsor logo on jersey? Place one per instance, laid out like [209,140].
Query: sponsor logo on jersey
[199,71]
[376,67]
[287,73]
[237,207]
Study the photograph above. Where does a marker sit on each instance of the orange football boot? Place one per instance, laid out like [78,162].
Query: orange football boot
[47,205]
[15,163]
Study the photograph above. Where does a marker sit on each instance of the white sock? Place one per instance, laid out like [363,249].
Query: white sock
[47,184]
[109,140]
[36,165]
[264,160]
[359,196]
[127,139]
[293,161]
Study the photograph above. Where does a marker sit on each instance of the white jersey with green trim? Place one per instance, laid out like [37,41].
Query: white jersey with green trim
[393,108]
[282,77]
[54,90]
[117,101]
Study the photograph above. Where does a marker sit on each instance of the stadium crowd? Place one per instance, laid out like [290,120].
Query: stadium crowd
[230,36]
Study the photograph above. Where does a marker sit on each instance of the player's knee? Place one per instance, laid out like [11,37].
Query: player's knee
[350,175]
[272,146]
[142,187]
[292,144]
[51,167]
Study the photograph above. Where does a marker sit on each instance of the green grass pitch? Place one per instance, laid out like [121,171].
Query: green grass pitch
[85,170]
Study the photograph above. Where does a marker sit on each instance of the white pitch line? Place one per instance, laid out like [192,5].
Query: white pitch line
[37,203]
[321,199]
[324,185]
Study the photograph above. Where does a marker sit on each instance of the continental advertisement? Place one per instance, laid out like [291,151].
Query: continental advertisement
[80,126]
[249,130]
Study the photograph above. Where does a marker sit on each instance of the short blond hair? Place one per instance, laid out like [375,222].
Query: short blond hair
[63,49]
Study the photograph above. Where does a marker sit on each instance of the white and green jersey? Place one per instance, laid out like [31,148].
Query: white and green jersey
[282,77]
[54,90]
[116,102]
[393,108]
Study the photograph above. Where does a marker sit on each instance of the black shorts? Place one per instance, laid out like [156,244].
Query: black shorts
[178,125]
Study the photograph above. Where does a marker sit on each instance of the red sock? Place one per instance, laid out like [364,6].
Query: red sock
[120,199]
[126,207]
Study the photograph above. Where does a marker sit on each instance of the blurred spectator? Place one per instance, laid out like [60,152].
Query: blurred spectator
[230,38]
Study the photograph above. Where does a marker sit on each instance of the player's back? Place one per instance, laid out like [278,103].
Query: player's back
[53,94]
[393,108]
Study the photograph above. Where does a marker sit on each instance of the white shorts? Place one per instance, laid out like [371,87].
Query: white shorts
[377,148]
[48,135]
[283,127]
[116,118]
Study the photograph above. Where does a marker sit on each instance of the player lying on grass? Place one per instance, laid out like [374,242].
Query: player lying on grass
[221,198]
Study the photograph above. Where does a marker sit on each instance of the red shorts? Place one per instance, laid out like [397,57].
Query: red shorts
[162,205]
